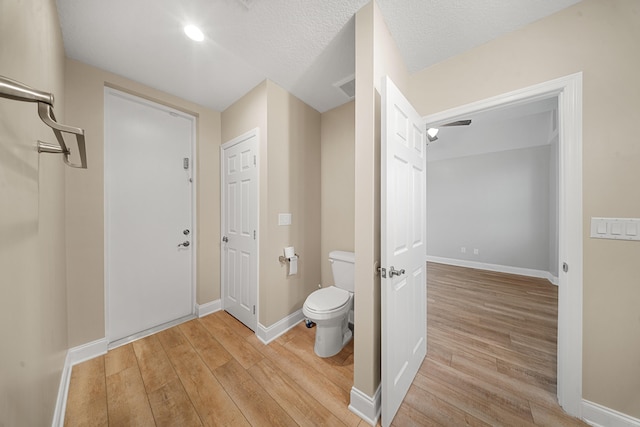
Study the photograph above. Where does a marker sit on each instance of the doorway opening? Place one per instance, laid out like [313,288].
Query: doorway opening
[568,91]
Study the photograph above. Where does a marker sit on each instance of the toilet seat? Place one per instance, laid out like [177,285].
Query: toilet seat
[327,300]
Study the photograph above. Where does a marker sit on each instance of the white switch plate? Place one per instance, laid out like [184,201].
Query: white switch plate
[284,219]
[615,228]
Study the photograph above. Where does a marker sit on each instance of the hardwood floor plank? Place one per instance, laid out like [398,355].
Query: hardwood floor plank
[209,349]
[332,367]
[476,405]
[172,407]
[119,359]
[234,324]
[438,410]
[545,416]
[155,368]
[407,416]
[318,385]
[258,406]
[127,400]
[301,406]
[211,401]
[87,398]
[235,344]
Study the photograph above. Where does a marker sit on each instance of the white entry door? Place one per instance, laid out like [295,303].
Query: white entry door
[403,247]
[148,216]
[239,263]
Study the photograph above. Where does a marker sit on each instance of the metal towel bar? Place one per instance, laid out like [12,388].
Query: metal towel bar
[12,89]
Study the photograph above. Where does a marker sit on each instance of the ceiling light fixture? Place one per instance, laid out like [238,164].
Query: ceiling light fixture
[432,134]
[194,33]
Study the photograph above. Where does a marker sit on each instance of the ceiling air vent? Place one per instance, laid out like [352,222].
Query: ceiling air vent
[347,86]
[246,3]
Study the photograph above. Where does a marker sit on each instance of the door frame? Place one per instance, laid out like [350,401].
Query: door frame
[568,90]
[243,137]
[110,91]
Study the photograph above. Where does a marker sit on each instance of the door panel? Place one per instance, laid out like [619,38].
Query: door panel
[239,228]
[148,207]
[403,247]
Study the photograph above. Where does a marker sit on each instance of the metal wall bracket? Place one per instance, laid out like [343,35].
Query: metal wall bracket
[17,91]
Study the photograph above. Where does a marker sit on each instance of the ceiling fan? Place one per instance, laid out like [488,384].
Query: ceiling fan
[433,132]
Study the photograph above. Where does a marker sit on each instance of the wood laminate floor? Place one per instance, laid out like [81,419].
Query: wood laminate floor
[491,361]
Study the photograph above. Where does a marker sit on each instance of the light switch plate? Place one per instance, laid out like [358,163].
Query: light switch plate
[615,228]
[284,219]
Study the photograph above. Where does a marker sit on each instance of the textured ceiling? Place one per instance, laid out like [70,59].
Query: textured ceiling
[304,46]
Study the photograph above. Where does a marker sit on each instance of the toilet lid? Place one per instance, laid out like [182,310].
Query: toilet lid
[327,299]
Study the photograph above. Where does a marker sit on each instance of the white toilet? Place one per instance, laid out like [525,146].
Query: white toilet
[329,307]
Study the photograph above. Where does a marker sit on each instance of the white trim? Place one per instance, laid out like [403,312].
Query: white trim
[367,408]
[266,334]
[208,308]
[568,90]
[601,416]
[529,272]
[110,91]
[86,351]
[63,392]
[74,356]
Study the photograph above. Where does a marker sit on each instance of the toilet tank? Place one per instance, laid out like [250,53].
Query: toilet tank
[343,268]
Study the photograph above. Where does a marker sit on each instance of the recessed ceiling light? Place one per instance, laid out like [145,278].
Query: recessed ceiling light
[194,33]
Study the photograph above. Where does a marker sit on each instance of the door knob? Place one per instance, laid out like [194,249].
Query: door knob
[394,272]
[225,239]
[184,244]
[186,231]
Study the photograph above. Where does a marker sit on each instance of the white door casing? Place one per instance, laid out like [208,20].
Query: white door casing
[148,207]
[239,227]
[403,247]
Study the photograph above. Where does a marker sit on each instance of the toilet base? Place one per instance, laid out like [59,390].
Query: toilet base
[330,339]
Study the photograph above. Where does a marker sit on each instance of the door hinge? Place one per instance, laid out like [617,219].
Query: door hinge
[254,309]
[254,160]
[254,234]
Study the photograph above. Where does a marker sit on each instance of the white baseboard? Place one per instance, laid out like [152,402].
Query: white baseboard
[208,308]
[529,272]
[601,416]
[270,333]
[63,391]
[367,408]
[86,351]
[74,356]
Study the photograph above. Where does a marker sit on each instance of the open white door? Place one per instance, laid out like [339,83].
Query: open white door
[239,227]
[403,247]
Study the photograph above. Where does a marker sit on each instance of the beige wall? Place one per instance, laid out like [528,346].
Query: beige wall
[337,161]
[599,38]
[376,56]
[289,182]
[84,92]
[33,307]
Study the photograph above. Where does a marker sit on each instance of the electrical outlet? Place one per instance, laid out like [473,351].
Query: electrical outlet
[476,251]
[463,250]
